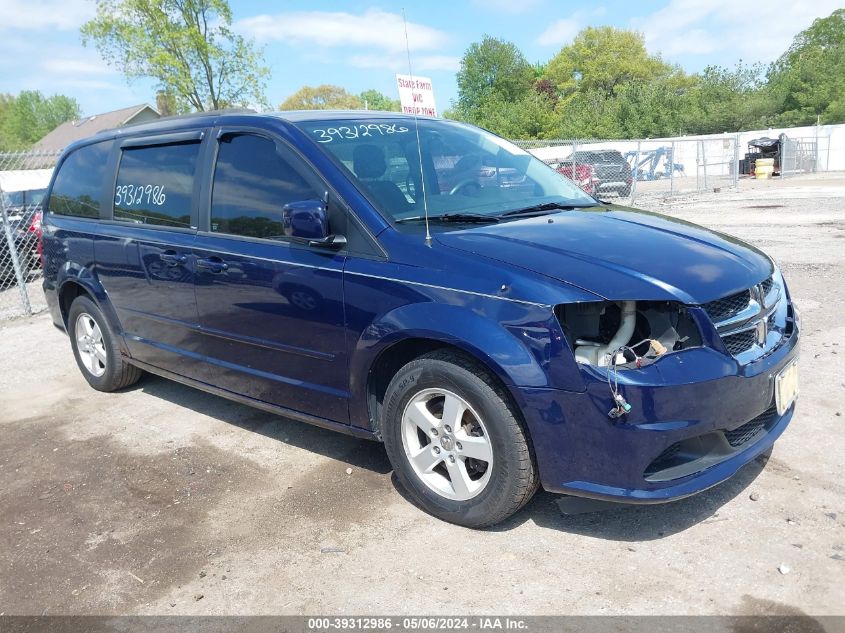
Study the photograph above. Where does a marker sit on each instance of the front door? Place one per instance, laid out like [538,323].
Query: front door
[271,310]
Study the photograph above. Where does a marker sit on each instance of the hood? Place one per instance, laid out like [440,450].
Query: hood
[621,253]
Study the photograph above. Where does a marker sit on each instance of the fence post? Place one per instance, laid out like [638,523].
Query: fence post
[16,262]
[736,162]
[636,173]
[827,161]
[704,165]
[672,171]
[698,165]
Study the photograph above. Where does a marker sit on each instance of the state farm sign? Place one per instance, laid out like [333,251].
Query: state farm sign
[416,95]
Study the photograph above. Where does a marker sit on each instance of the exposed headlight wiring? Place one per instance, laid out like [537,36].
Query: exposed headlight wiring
[655,349]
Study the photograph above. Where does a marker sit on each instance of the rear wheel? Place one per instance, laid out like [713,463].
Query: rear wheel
[455,441]
[95,348]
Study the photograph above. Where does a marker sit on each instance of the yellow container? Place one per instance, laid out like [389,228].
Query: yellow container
[764,168]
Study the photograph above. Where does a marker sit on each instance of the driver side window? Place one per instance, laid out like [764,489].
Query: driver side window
[252,182]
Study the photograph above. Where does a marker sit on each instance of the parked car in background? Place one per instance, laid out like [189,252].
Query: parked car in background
[602,172]
[22,210]
[22,193]
[34,229]
[423,283]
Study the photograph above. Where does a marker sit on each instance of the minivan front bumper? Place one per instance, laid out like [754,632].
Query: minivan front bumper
[697,417]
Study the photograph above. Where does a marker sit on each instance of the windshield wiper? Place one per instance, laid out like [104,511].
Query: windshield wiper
[479,218]
[543,209]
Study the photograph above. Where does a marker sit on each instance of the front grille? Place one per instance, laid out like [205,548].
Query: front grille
[766,286]
[739,342]
[749,430]
[729,306]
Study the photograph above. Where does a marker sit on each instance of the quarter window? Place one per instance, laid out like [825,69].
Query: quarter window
[78,188]
[253,181]
[155,185]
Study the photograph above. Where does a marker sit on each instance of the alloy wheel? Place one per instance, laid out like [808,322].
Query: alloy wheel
[89,342]
[447,444]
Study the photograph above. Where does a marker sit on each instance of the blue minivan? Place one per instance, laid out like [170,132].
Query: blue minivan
[426,284]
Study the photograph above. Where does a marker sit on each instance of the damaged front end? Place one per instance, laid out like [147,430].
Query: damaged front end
[626,334]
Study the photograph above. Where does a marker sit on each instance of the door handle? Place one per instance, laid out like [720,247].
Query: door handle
[213,264]
[171,258]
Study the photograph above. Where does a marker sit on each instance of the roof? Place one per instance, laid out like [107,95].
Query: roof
[297,116]
[236,116]
[71,131]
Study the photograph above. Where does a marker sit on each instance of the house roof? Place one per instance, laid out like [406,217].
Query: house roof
[71,131]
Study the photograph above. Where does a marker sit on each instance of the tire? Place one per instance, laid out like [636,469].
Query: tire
[485,492]
[98,356]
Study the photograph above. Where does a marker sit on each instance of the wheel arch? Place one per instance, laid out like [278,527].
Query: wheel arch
[377,359]
[78,282]
[395,356]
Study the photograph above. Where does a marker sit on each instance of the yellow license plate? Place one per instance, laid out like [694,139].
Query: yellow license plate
[786,387]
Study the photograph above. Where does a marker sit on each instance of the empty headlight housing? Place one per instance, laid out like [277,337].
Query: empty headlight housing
[626,332]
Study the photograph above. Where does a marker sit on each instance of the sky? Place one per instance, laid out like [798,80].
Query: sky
[361,45]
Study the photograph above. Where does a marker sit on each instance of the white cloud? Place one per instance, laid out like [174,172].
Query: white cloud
[563,31]
[560,32]
[399,63]
[71,66]
[34,15]
[374,29]
[705,27]
[81,83]
[507,6]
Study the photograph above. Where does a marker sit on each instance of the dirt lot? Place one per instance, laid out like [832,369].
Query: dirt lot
[166,500]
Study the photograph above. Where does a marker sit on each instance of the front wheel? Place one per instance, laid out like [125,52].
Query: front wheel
[456,442]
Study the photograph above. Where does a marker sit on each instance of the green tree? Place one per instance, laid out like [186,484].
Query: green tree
[187,46]
[28,117]
[603,59]
[323,97]
[726,100]
[587,114]
[808,81]
[6,101]
[374,100]
[492,69]
[661,107]
[531,117]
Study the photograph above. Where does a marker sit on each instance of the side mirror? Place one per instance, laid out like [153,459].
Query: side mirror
[306,220]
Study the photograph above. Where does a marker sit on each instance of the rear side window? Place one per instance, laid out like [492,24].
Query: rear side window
[252,182]
[79,183]
[155,185]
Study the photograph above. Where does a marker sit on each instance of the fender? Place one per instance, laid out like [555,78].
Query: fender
[71,272]
[517,352]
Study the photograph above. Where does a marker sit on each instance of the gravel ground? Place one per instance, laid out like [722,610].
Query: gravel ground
[165,500]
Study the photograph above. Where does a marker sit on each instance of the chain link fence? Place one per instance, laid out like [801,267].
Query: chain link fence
[624,170]
[24,177]
[802,155]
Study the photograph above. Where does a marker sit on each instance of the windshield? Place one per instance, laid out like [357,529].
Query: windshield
[465,170]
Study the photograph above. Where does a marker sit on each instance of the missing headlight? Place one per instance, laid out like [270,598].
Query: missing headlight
[623,332]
